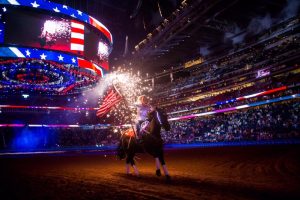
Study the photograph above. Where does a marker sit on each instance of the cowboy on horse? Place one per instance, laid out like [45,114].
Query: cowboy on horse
[149,121]
[129,144]
[142,110]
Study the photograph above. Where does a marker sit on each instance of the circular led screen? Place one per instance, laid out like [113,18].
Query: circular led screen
[24,27]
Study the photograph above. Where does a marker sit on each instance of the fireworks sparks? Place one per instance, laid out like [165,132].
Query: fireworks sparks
[130,86]
[54,29]
[103,51]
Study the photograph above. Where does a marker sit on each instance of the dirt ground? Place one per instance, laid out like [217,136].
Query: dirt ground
[269,172]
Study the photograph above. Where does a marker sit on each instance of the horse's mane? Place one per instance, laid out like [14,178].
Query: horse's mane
[163,118]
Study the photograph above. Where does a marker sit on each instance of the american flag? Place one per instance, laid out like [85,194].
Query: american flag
[77,37]
[112,98]
[63,9]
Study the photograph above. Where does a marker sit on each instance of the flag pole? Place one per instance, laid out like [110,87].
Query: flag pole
[127,105]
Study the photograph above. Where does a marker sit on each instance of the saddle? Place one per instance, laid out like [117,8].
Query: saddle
[145,127]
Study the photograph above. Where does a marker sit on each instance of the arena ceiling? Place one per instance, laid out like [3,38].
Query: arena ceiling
[212,25]
[132,18]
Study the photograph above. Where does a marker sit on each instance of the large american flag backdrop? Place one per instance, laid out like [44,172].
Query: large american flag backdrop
[77,37]
[63,34]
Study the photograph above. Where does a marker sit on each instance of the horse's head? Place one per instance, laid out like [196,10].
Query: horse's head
[162,118]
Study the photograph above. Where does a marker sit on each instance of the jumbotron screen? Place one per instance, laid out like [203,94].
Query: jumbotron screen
[40,30]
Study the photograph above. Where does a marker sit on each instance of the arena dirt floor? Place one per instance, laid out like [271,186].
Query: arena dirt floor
[269,172]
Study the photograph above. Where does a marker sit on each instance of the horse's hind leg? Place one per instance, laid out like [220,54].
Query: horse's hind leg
[166,172]
[130,161]
[163,164]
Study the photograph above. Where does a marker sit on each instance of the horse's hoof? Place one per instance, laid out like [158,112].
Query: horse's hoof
[158,173]
[168,178]
[137,174]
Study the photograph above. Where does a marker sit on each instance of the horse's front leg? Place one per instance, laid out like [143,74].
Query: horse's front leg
[127,169]
[160,161]
[157,165]
[166,172]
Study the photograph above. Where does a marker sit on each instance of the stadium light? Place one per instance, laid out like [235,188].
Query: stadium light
[25,96]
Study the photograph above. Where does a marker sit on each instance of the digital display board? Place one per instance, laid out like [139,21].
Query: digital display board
[37,29]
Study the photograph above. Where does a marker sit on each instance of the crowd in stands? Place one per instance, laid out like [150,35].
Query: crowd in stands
[229,68]
[267,122]
[231,77]
[273,121]
[211,104]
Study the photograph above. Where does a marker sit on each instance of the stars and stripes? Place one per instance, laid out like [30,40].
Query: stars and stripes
[20,52]
[17,52]
[13,2]
[90,66]
[112,98]
[43,56]
[60,58]
[77,37]
[63,9]
[101,27]
[56,10]
[28,53]
[34,4]
[76,40]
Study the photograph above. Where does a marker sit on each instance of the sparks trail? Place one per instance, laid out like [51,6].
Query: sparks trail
[130,86]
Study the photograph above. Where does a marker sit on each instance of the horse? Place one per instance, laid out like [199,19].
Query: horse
[151,141]
[127,149]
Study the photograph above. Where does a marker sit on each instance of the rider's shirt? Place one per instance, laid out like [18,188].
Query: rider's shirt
[142,112]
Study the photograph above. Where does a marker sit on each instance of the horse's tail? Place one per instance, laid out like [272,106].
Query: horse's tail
[121,154]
